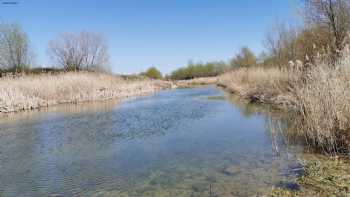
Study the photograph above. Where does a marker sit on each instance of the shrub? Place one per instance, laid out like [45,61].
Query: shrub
[153,73]
[245,58]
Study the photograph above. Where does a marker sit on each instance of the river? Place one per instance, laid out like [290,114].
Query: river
[183,142]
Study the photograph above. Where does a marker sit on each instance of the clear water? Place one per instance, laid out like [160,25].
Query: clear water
[184,142]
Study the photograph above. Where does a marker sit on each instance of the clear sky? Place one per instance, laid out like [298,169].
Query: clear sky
[161,33]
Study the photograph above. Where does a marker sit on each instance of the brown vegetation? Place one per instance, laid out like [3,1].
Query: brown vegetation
[196,81]
[306,70]
[333,17]
[29,92]
[258,84]
[319,94]
[324,104]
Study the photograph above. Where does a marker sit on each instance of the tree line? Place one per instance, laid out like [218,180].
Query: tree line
[193,70]
[68,51]
[244,58]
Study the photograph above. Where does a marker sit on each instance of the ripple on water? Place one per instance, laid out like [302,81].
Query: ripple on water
[176,143]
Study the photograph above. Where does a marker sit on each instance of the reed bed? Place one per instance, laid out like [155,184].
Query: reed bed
[196,81]
[323,102]
[258,84]
[319,94]
[30,92]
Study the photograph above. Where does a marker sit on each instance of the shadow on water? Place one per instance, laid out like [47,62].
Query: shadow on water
[185,142]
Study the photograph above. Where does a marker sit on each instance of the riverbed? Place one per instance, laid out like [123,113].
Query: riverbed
[182,142]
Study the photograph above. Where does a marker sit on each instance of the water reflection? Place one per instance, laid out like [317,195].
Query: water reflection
[175,143]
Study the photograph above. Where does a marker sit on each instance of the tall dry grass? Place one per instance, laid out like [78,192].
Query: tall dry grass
[320,94]
[30,92]
[323,101]
[196,81]
[265,85]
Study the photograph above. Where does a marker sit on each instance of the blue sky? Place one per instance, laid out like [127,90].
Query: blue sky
[161,33]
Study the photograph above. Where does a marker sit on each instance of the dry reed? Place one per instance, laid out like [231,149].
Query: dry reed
[323,101]
[29,92]
[265,85]
[320,94]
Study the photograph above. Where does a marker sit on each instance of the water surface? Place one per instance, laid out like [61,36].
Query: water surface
[184,142]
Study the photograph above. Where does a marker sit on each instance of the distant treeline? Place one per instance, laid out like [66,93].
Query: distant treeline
[244,58]
[194,70]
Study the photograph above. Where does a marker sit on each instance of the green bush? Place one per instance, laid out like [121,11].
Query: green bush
[153,73]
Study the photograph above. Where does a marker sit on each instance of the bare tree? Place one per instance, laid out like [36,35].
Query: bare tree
[281,43]
[83,51]
[14,48]
[94,51]
[332,15]
[285,43]
[63,50]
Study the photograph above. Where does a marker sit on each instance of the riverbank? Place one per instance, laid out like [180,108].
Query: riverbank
[319,98]
[259,85]
[196,82]
[318,95]
[32,92]
[19,93]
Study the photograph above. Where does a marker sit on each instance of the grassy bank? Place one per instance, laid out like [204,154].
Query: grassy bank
[323,177]
[30,92]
